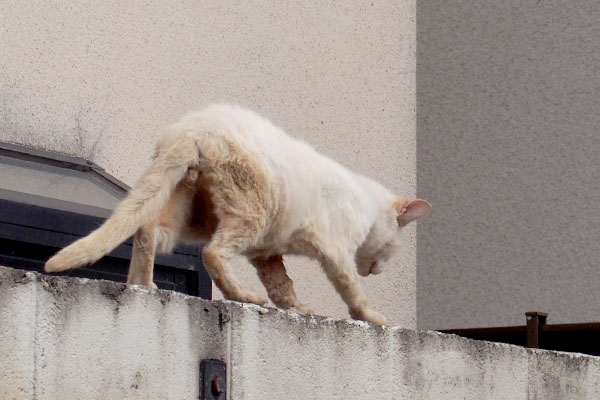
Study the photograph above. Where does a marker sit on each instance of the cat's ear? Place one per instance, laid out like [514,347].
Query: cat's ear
[409,210]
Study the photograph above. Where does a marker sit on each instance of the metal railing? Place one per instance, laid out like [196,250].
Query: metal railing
[536,333]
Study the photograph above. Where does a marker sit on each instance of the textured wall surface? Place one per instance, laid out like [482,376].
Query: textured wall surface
[508,144]
[79,339]
[100,80]
[65,338]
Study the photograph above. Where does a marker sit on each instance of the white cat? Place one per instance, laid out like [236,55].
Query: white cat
[227,177]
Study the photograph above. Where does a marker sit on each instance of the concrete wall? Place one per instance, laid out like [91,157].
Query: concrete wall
[65,338]
[508,144]
[99,80]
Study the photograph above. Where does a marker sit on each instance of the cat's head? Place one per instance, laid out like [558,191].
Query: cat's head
[384,239]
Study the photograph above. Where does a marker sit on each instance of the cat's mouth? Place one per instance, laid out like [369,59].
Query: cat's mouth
[373,269]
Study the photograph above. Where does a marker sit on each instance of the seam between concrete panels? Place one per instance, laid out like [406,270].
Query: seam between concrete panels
[228,363]
[528,378]
[35,335]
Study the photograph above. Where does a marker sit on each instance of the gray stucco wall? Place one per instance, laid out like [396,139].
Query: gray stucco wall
[65,338]
[99,80]
[508,143]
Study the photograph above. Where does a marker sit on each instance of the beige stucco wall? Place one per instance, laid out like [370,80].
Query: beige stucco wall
[508,145]
[100,79]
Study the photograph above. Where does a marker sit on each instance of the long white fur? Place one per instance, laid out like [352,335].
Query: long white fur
[311,204]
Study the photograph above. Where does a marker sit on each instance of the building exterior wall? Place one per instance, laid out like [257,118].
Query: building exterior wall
[508,145]
[99,80]
[67,338]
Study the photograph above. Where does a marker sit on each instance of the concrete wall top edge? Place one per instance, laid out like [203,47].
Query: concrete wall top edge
[78,338]
[114,292]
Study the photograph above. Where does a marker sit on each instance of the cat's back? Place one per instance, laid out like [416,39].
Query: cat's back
[253,134]
[239,123]
[258,137]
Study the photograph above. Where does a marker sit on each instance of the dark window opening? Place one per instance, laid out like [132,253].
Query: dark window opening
[48,200]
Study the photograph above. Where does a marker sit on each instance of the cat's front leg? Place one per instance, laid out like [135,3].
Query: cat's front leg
[280,289]
[341,271]
[366,314]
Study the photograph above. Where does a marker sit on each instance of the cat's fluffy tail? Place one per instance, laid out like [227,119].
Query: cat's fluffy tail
[175,154]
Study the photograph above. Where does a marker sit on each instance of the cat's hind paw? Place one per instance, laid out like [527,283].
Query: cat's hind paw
[302,308]
[249,297]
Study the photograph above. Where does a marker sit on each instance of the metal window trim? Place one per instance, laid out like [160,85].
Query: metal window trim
[60,160]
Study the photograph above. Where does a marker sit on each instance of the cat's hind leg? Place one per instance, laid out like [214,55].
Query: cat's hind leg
[141,267]
[231,238]
[159,235]
[280,289]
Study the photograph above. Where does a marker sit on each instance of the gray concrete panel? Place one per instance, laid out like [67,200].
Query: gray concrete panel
[508,145]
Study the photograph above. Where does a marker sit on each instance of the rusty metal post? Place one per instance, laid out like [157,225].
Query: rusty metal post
[535,323]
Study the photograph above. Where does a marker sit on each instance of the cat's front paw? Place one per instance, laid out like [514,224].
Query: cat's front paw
[376,318]
[366,314]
